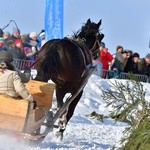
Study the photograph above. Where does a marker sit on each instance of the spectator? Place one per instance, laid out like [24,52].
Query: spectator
[132,64]
[105,58]
[119,62]
[119,55]
[125,57]
[42,36]
[144,66]
[15,35]
[17,51]
[30,46]
[6,36]
[129,53]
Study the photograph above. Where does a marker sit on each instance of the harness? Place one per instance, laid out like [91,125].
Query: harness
[86,53]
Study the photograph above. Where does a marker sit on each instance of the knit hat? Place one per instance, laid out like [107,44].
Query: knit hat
[123,52]
[6,32]
[16,30]
[147,56]
[33,34]
[136,55]
[42,34]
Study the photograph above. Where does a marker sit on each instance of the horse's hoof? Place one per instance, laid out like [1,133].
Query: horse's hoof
[59,136]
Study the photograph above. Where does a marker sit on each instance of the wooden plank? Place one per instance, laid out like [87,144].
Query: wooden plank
[9,105]
[11,123]
[42,93]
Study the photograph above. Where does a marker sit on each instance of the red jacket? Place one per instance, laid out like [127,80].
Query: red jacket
[105,58]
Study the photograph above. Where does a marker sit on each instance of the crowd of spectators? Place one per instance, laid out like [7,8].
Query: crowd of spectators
[26,46]
[123,61]
[21,47]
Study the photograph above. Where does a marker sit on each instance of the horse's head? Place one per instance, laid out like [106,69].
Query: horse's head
[90,32]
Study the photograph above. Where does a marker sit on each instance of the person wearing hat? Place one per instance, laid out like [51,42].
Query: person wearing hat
[132,64]
[42,38]
[30,46]
[144,66]
[104,58]
[17,50]
[120,61]
[15,34]
[6,36]
[10,83]
[8,59]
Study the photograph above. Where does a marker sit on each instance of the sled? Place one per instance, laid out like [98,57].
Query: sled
[21,117]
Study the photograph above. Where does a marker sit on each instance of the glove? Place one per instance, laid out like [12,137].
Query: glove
[27,70]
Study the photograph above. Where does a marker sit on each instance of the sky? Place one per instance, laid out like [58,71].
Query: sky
[124,22]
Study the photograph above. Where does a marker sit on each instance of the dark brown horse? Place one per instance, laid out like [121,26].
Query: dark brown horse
[65,62]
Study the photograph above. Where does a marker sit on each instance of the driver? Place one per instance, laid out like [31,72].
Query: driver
[7,58]
[10,84]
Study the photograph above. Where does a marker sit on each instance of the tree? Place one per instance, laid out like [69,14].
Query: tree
[129,105]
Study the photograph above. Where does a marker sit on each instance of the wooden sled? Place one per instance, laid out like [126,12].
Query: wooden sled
[19,115]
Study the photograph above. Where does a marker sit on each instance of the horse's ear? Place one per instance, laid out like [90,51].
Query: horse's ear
[88,21]
[99,23]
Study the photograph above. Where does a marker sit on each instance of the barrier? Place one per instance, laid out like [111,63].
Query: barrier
[108,74]
[21,64]
[139,77]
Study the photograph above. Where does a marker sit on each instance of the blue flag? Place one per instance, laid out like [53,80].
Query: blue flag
[54,19]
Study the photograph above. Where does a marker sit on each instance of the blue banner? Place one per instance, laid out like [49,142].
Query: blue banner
[54,19]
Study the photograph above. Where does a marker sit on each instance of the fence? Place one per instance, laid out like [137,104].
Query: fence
[21,64]
[108,74]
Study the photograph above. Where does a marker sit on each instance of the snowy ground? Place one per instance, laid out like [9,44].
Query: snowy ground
[82,133]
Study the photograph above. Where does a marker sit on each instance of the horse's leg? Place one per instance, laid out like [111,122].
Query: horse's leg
[60,93]
[68,114]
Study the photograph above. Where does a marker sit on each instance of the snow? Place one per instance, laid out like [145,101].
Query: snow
[82,132]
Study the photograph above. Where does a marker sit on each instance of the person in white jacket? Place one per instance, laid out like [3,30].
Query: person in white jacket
[10,84]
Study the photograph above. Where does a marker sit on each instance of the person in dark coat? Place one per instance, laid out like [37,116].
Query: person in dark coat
[17,51]
[119,62]
[144,66]
[15,35]
[132,64]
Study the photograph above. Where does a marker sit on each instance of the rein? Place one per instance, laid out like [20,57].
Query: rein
[37,60]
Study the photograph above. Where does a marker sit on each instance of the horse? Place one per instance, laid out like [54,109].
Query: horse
[65,61]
